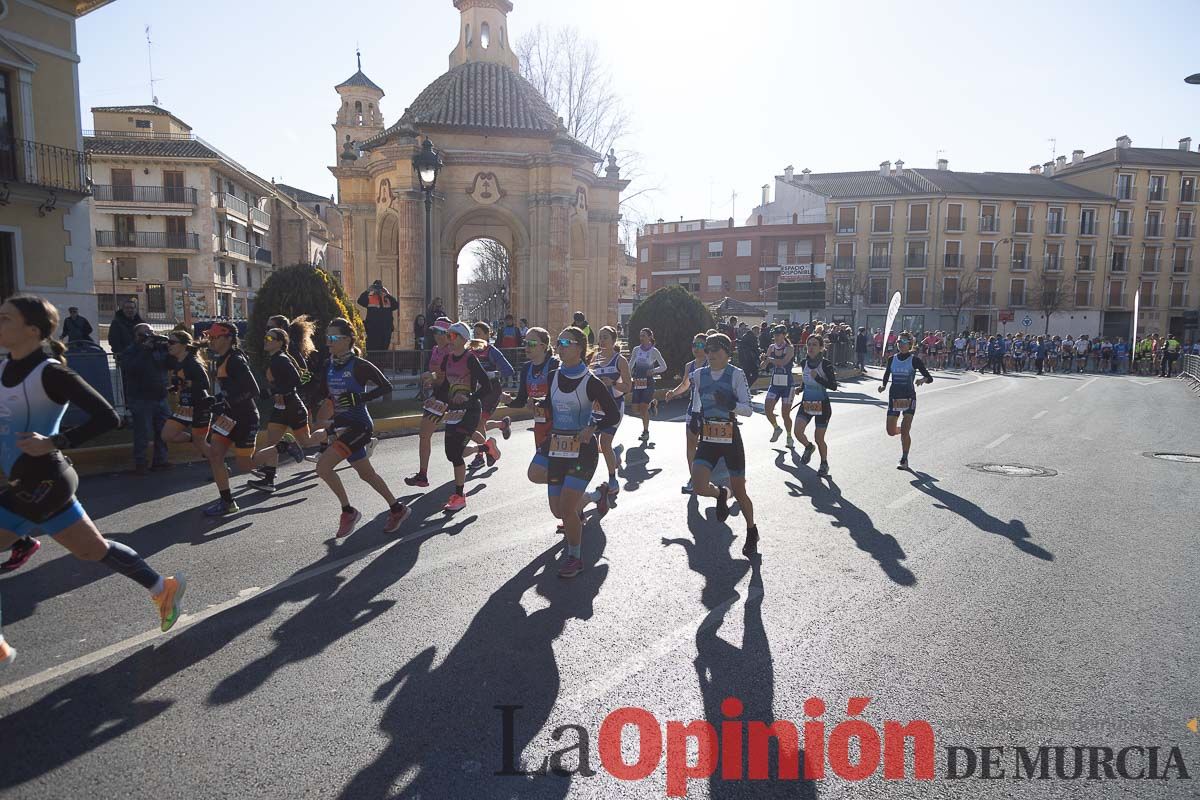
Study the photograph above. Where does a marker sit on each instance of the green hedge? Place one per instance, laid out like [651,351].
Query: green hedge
[675,315]
[296,290]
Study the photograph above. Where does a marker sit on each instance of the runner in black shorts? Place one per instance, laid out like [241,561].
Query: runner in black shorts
[235,415]
[818,380]
[191,416]
[462,383]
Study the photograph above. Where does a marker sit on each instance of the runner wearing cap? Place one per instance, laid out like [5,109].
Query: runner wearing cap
[191,416]
[778,361]
[535,381]
[430,421]
[235,414]
[902,400]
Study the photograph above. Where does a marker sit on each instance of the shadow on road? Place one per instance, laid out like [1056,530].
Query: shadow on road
[1013,530]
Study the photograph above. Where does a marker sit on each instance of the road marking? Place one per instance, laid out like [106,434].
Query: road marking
[1041,414]
[1088,383]
[999,441]
[905,499]
[1064,398]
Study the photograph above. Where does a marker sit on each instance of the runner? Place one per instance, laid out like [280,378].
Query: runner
[902,400]
[497,368]
[430,420]
[778,362]
[461,384]
[819,380]
[688,384]
[721,392]
[567,459]
[647,363]
[311,364]
[1082,347]
[35,388]
[288,426]
[612,369]
[190,419]
[535,381]
[346,381]
[235,414]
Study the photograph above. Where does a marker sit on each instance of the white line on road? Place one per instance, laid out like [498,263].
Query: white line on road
[1041,413]
[998,442]
[1064,398]
[1088,383]
[905,499]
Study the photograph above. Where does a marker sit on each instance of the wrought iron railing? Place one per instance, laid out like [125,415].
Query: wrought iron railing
[44,165]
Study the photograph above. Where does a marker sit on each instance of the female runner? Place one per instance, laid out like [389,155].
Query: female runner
[190,419]
[902,400]
[647,363]
[688,384]
[497,368]
[818,381]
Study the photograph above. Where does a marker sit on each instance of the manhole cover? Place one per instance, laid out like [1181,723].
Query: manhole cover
[1014,470]
[1187,458]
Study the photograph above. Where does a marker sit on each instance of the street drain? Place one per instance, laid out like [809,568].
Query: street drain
[1014,470]
[1186,458]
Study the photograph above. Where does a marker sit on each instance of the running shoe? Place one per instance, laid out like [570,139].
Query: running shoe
[493,452]
[169,600]
[571,566]
[477,462]
[617,451]
[8,653]
[396,519]
[296,451]
[371,446]
[903,463]
[259,472]
[687,488]
[750,546]
[262,484]
[791,442]
[506,427]
[22,550]
[808,453]
[347,521]
[313,457]
[614,490]
[823,472]
[645,437]
[419,479]
[723,504]
[456,503]
[776,434]
[222,509]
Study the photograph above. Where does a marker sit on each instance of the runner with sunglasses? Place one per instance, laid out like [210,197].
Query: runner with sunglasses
[819,380]
[688,384]
[902,369]
[535,381]
[346,381]
[721,393]
[612,369]
[778,360]
[497,368]
[567,459]
[235,417]
[461,384]
[430,420]
[646,364]
[189,421]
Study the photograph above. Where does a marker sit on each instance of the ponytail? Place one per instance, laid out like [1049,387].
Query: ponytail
[40,313]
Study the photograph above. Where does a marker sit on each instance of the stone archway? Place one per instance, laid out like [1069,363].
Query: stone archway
[492,223]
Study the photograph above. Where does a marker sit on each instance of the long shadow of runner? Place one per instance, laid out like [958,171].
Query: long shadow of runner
[726,671]
[445,728]
[95,709]
[633,468]
[828,500]
[1013,530]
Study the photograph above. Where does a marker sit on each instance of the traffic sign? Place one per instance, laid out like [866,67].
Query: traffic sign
[1005,315]
[1027,321]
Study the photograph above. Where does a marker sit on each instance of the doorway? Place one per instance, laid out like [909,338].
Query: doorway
[483,281]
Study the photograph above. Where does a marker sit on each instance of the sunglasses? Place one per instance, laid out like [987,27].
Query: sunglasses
[533,343]
[697,345]
[567,342]
[335,337]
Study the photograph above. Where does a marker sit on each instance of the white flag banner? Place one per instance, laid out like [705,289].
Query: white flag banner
[1137,300]
[893,310]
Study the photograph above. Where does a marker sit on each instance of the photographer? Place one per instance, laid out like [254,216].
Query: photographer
[381,311]
[144,367]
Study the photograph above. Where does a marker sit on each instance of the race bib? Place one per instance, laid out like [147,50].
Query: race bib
[435,407]
[455,416]
[641,383]
[184,412]
[280,402]
[717,431]
[813,408]
[564,445]
[781,379]
[224,425]
[540,416]
[902,404]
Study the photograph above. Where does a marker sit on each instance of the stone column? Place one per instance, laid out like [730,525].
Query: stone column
[410,207]
[558,274]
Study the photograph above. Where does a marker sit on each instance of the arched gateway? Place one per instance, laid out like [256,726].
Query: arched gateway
[512,173]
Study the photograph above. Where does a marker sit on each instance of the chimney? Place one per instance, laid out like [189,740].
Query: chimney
[1060,163]
[1076,156]
[1048,168]
[804,173]
[1185,143]
[1124,142]
[899,166]
[766,194]
[1035,170]
[885,167]
[787,171]
[943,164]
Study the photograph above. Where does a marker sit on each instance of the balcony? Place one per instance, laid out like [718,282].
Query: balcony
[260,219]
[1126,193]
[1118,264]
[989,225]
[1085,264]
[233,204]
[955,225]
[843,262]
[1054,264]
[1154,229]
[915,261]
[952,261]
[843,228]
[1055,227]
[44,166]
[1181,266]
[235,247]
[1023,227]
[1114,300]
[1122,228]
[918,226]
[147,240]
[1016,299]
[1157,194]
[1087,227]
[1187,194]
[1149,264]
[1185,230]
[1178,300]
[262,256]
[1020,264]
[881,228]
[881,262]
[987,262]
[150,195]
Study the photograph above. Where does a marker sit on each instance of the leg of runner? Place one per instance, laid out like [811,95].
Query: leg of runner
[570,504]
[905,438]
[397,511]
[327,471]
[7,652]
[802,423]
[893,429]
[267,459]
[216,462]
[787,417]
[693,440]
[769,411]
[429,424]
[738,485]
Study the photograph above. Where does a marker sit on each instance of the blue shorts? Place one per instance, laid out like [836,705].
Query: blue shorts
[784,393]
[611,430]
[895,412]
[10,521]
[642,397]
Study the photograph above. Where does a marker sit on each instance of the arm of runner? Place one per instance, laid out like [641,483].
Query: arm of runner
[365,372]
[481,384]
[287,377]
[659,363]
[599,394]
[522,398]
[501,363]
[625,381]
[684,384]
[887,374]
[741,391]
[919,366]
[63,386]
[241,377]
[830,379]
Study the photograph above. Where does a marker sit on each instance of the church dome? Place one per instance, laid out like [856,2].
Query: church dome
[481,94]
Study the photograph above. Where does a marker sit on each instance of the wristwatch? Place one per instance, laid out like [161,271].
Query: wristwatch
[60,441]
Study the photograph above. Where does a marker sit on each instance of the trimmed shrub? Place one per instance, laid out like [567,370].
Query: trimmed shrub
[675,315]
[296,290]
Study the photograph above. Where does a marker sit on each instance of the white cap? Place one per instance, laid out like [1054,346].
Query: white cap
[462,330]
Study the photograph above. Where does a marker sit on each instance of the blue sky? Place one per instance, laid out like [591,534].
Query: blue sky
[723,95]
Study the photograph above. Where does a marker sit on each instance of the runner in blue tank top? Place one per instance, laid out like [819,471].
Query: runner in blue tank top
[612,369]
[819,380]
[688,384]
[777,361]
[902,400]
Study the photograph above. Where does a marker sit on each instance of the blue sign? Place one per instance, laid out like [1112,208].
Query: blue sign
[1027,321]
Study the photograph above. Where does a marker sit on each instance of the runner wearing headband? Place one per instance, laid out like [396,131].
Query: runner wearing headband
[235,414]
[902,400]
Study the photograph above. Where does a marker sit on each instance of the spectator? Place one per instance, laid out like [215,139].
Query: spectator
[748,356]
[144,367]
[1171,349]
[764,336]
[120,332]
[432,314]
[419,332]
[860,350]
[508,336]
[580,321]
[75,327]
[381,311]
[524,328]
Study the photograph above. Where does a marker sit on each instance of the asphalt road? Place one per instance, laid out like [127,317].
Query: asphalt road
[1004,611]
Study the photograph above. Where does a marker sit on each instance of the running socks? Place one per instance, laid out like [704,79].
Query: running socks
[396,507]
[575,550]
[460,490]
[227,495]
[126,561]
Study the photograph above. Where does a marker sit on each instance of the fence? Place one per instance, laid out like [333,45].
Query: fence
[1189,367]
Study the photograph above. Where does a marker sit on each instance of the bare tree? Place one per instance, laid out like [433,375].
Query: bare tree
[490,279]
[1049,297]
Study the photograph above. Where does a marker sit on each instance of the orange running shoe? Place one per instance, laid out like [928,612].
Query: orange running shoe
[169,600]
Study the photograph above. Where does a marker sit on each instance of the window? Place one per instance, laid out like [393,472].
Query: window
[844,255]
[233,273]
[1182,260]
[1120,258]
[1178,295]
[1146,297]
[954,217]
[914,292]
[485,36]
[743,248]
[1087,222]
[173,186]
[105,301]
[881,219]
[156,298]
[714,283]
[716,249]
[1020,255]
[847,219]
[1055,221]
[644,255]
[688,254]
[672,254]
[1116,293]
[1125,187]
[1150,259]
[881,255]
[1023,220]
[1054,257]
[983,292]
[1154,224]
[743,283]
[1083,294]
[914,255]
[142,123]
[950,292]
[841,292]
[1122,224]
[781,253]
[803,251]
[221,274]
[878,289]
[250,277]
[177,232]
[223,304]
[125,234]
[1016,292]
[1086,262]
[987,255]
[176,268]
[1187,189]
[1184,228]
[122,184]
[989,221]
[1158,188]
[126,269]
[643,284]
[918,217]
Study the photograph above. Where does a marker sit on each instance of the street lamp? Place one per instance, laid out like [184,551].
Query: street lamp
[428,163]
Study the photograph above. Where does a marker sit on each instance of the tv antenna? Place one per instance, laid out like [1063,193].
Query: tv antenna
[150,61]
[1053,148]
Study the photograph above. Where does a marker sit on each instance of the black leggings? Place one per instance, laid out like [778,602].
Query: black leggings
[457,436]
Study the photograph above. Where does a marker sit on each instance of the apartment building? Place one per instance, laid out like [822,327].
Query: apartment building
[978,250]
[307,230]
[714,259]
[173,218]
[45,244]
[1152,245]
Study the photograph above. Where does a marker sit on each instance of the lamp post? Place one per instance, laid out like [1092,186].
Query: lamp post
[428,163]
[112,264]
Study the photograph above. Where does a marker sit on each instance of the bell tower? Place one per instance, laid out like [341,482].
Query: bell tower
[359,117]
[483,34]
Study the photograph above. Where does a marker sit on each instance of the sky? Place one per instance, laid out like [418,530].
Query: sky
[723,95]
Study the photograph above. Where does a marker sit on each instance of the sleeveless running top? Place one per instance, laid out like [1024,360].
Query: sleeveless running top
[612,371]
[778,373]
[340,380]
[812,389]
[903,374]
[641,362]
[572,410]
[717,398]
[26,407]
